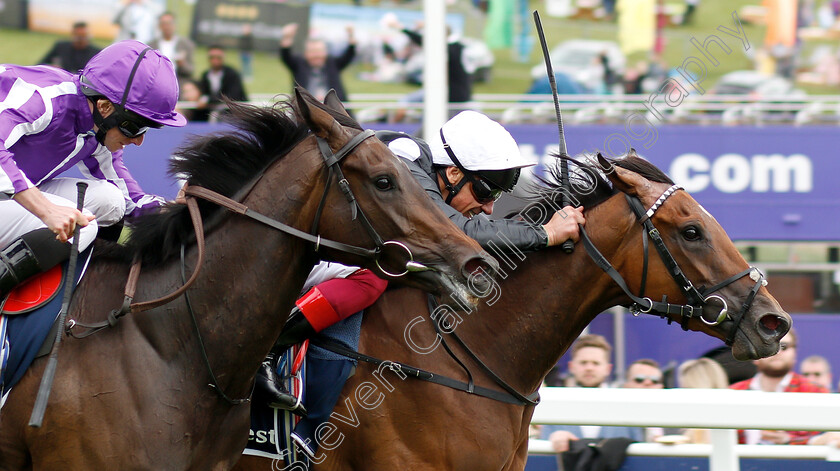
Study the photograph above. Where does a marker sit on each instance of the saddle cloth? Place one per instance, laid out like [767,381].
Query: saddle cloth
[35,306]
[271,428]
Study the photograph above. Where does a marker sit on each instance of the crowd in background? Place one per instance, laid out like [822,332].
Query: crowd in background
[398,57]
[590,367]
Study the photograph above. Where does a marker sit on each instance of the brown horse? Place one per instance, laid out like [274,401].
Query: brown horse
[385,421]
[136,396]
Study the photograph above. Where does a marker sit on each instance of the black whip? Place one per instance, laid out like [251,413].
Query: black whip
[37,417]
[568,246]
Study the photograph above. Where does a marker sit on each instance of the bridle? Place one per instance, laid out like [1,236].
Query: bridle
[697,298]
[193,192]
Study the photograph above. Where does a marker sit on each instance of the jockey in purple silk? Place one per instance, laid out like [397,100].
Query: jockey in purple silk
[51,120]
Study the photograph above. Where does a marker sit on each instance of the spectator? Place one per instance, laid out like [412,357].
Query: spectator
[459,80]
[702,373]
[817,370]
[72,55]
[246,51]
[389,69]
[317,71]
[590,367]
[775,375]
[178,49]
[219,81]
[190,95]
[136,21]
[645,373]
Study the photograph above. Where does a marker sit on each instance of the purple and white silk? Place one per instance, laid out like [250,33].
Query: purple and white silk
[46,127]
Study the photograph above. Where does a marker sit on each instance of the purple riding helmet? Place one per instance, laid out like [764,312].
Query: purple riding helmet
[139,81]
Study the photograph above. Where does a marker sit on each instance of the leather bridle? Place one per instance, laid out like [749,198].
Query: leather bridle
[193,192]
[698,299]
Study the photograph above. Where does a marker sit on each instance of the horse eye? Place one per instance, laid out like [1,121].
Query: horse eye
[383,184]
[691,233]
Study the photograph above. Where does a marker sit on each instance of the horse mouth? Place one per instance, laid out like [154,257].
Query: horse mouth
[454,292]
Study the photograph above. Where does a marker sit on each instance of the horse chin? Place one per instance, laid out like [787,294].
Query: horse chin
[454,292]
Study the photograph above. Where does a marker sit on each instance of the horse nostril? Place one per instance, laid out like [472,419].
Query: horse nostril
[483,265]
[774,324]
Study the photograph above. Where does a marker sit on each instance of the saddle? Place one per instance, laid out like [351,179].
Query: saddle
[28,321]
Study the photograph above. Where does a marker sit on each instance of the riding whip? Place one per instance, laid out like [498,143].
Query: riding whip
[568,246]
[37,417]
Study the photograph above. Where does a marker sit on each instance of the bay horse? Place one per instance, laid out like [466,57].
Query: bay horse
[136,395]
[388,420]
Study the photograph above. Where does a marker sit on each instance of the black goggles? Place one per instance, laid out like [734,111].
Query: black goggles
[482,191]
[132,125]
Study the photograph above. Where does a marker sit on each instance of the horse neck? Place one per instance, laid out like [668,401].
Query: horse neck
[548,300]
[252,274]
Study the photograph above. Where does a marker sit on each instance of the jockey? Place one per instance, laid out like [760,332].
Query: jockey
[464,177]
[51,120]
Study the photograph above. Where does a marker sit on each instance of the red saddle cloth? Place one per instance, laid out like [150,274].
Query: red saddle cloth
[34,293]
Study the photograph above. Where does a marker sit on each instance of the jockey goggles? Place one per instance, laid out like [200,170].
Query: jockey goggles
[482,191]
[132,125]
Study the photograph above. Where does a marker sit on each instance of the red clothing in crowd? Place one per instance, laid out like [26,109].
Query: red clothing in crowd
[797,383]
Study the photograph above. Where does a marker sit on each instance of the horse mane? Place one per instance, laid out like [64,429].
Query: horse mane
[224,162]
[587,185]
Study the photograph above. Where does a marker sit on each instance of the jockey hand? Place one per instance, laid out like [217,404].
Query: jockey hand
[61,220]
[560,440]
[564,225]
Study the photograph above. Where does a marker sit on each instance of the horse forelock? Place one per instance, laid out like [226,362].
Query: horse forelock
[224,162]
[588,187]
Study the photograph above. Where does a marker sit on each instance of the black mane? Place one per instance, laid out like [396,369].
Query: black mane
[588,188]
[224,162]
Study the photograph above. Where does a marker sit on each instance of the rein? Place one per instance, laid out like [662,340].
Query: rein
[193,192]
[509,396]
[697,299]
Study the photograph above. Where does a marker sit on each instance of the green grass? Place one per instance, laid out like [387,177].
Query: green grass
[509,75]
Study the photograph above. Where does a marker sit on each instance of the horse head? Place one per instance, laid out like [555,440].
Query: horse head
[415,237]
[708,286]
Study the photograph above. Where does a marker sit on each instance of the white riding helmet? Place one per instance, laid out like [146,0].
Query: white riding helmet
[480,146]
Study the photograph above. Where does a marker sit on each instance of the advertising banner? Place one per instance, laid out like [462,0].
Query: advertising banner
[223,22]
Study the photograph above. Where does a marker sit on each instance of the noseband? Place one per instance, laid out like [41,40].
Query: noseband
[697,298]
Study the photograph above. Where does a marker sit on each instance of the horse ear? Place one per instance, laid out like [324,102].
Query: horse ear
[335,103]
[624,180]
[319,121]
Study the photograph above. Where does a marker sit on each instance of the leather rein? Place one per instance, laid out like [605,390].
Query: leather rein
[194,192]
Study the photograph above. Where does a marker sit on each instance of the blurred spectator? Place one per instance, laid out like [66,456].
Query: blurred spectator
[178,49]
[246,51]
[645,373]
[220,80]
[316,70]
[72,55]
[389,69]
[775,374]
[459,79]
[817,370]
[136,21]
[590,367]
[690,9]
[702,373]
[190,95]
